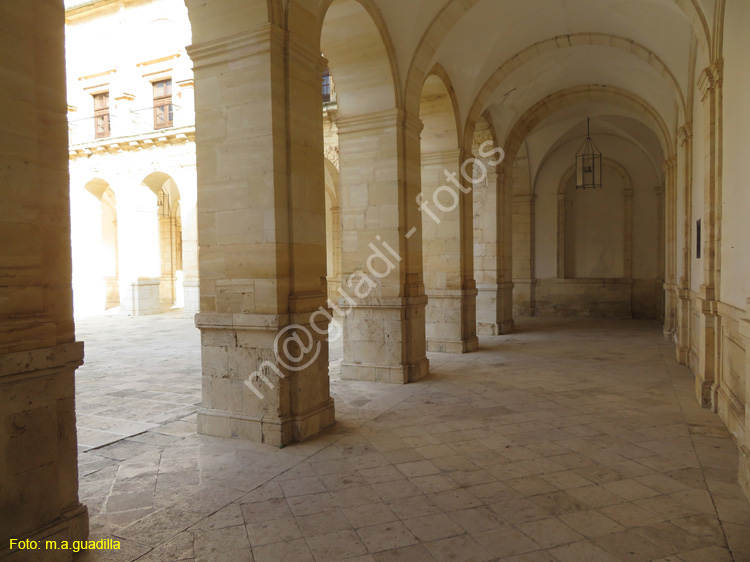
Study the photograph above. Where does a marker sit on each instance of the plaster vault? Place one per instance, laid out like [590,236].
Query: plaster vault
[387,211]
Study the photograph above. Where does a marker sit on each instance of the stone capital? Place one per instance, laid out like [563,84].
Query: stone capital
[685,133]
[240,45]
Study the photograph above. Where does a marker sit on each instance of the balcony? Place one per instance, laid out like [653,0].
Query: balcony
[130,130]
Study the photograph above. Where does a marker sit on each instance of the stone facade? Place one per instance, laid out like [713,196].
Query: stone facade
[132,160]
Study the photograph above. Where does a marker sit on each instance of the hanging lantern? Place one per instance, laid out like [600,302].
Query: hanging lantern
[588,163]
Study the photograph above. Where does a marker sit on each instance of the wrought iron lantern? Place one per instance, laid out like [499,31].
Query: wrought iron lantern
[588,163]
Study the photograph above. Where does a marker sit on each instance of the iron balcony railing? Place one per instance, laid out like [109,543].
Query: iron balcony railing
[128,123]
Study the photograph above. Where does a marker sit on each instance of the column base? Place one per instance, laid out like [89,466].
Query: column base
[384,340]
[140,298]
[495,329]
[39,479]
[453,346]
[451,321]
[401,374]
[705,375]
[250,391]
[682,334]
[265,429]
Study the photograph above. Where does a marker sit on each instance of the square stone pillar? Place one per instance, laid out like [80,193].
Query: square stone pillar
[684,303]
[491,228]
[261,219]
[448,255]
[38,351]
[381,248]
[524,281]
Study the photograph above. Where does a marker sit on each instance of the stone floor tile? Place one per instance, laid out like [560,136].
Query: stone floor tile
[268,531]
[630,489]
[296,550]
[708,554]
[275,508]
[386,536]
[370,514]
[595,496]
[582,551]
[531,486]
[454,500]
[463,548]
[416,553]
[417,506]
[396,490]
[628,546]
[323,523]
[505,541]
[433,527]
[549,532]
[336,546]
[630,515]
[228,543]
[592,523]
[302,486]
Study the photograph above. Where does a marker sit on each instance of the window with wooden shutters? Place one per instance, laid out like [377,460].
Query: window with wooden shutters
[101,115]
[163,110]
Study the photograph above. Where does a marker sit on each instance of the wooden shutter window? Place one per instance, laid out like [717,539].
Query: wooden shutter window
[163,110]
[101,115]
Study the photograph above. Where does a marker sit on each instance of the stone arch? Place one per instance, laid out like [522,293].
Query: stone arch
[582,94]
[169,212]
[361,82]
[95,247]
[565,42]
[456,9]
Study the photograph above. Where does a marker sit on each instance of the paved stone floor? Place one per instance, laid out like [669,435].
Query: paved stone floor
[569,441]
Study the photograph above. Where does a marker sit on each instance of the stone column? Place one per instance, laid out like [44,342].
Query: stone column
[668,237]
[448,255]
[709,351]
[627,222]
[561,235]
[684,305]
[494,290]
[38,350]
[261,218]
[381,248]
[744,467]
[524,275]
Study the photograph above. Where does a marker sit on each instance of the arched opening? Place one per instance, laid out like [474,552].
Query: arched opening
[170,239]
[383,322]
[150,243]
[95,249]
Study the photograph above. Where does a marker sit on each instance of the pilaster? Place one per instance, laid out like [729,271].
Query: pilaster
[524,274]
[744,462]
